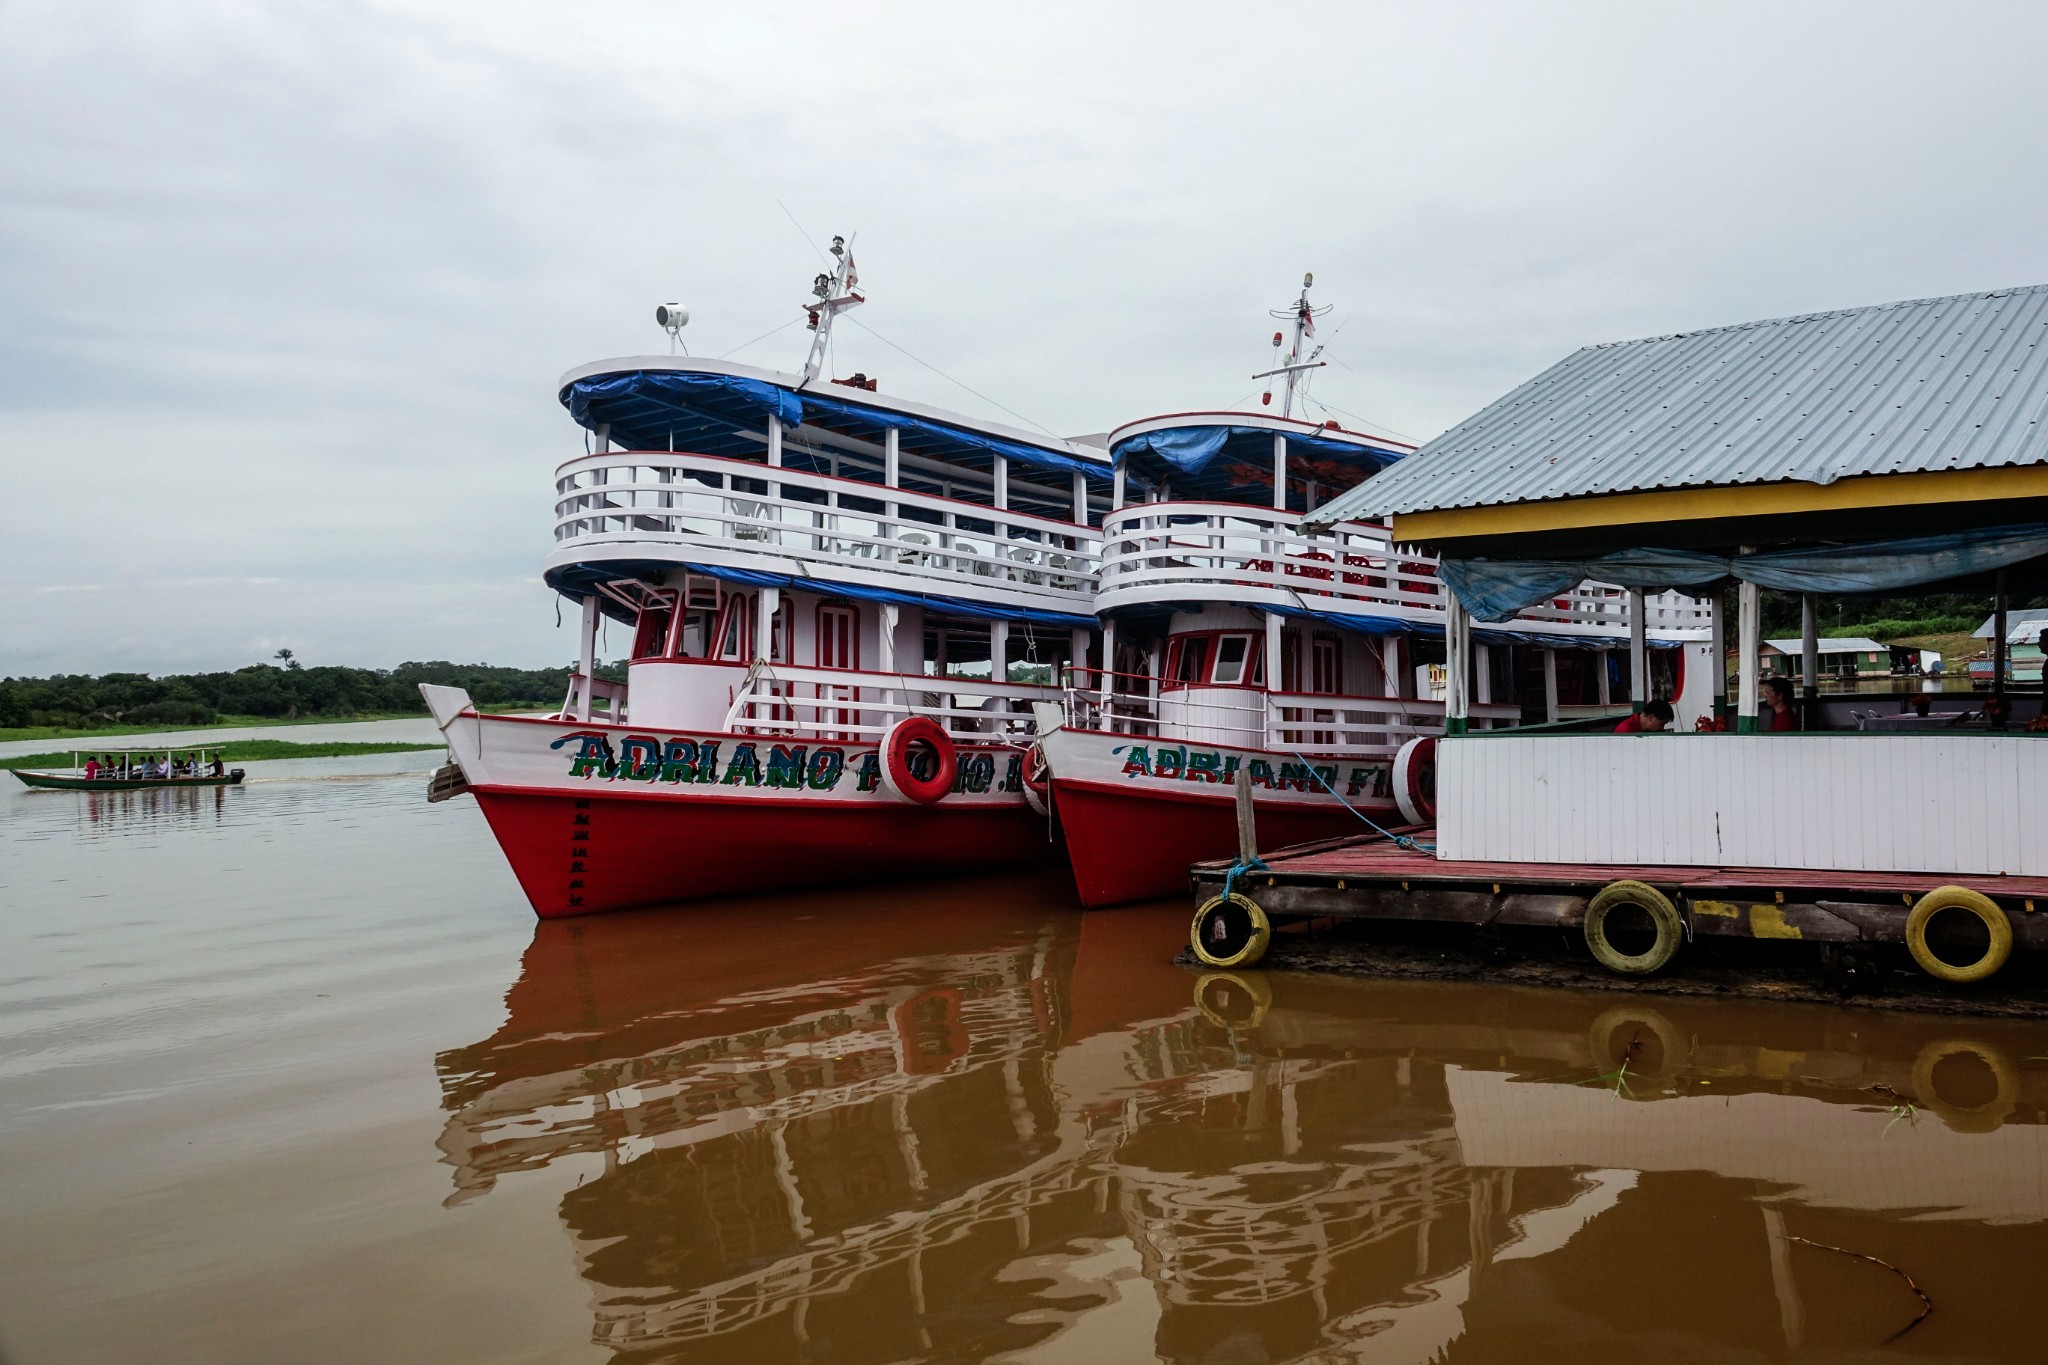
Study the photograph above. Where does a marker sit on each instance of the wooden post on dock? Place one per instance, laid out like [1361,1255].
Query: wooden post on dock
[1247,823]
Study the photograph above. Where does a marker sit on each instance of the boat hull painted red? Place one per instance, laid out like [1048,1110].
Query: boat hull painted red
[1129,845]
[584,854]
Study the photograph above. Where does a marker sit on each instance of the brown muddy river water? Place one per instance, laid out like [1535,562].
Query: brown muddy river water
[289,1073]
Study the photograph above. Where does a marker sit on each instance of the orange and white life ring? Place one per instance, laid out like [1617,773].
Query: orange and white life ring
[918,760]
[1037,780]
[1415,780]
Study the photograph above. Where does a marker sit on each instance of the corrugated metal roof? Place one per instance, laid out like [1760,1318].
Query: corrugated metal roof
[1836,644]
[1929,384]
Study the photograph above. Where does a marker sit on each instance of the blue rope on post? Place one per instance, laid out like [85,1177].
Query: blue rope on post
[1400,840]
[1229,878]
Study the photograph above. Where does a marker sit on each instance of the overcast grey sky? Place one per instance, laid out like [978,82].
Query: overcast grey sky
[285,289]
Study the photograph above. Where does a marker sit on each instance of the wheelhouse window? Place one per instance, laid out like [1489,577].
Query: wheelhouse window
[1232,654]
[650,637]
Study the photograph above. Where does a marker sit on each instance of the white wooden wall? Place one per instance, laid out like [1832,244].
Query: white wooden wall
[1861,802]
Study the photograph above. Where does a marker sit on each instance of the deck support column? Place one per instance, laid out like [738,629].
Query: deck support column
[1482,674]
[1717,617]
[1549,684]
[2000,651]
[1457,664]
[1080,498]
[1809,655]
[586,656]
[1279,472]
[1273,681]
[998,651]
[764,623]
[1116,490]
[1604,684]
[1001,472]
[1638,653]
[1077,651]
[1108,692]
[1748,628]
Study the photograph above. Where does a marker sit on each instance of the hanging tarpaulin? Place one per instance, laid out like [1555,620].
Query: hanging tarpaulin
[1494,589]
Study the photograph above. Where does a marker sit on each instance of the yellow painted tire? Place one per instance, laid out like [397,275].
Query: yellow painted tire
[1211,937]
[1959,898]
[1654,903]
[1219,995]
[1981,1118]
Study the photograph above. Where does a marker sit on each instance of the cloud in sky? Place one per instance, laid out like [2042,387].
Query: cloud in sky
[287,288]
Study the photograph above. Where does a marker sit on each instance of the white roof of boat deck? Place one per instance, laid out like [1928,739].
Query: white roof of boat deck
[1924,385]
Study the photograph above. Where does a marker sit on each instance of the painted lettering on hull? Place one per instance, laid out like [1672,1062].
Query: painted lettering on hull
[795,768]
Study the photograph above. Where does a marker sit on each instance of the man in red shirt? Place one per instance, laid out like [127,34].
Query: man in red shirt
[1652,719]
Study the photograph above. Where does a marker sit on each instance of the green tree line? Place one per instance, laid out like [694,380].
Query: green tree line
[289,692]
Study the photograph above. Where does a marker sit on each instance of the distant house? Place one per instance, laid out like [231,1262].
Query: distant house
[1847,657]
[2022,647]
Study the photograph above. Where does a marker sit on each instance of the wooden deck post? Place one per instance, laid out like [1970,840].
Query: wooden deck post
[1549,684]
[1247,822]
[1717,615]
[1457,664]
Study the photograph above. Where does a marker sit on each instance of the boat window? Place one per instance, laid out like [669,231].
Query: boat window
[1192,665]
[735,628]
[837,637]
[651,638]
[694,635]
[1231,654]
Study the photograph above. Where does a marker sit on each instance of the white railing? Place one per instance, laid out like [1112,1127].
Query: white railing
[832,703]
[702,506]
[592,698]
[1137,704]
[1181,551]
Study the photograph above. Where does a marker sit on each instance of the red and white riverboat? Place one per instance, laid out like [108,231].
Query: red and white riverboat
[847,615]
[1312,659]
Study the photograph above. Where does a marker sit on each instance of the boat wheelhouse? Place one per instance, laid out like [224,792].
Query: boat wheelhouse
[1240,638]
[844,614]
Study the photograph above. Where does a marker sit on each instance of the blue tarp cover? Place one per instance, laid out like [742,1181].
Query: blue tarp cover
[581,576]
[1494,589]
[1218,461]
[654,409]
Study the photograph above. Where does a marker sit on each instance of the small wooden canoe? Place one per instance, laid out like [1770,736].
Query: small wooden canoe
[77,782]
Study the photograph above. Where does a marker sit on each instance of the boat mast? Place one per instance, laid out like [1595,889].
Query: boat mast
[835,294]
[1293,367]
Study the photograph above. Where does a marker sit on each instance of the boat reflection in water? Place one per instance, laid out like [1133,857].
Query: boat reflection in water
[943,1124]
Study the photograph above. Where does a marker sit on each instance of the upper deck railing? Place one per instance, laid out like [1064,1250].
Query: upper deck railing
[708,509]
[1213,551]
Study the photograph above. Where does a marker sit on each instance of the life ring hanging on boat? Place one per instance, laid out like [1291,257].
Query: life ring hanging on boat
[1415,780]
[919,783]
[1037,781]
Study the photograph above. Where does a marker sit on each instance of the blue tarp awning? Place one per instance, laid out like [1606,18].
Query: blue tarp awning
[1494,589]
[1221,461]
[721,414]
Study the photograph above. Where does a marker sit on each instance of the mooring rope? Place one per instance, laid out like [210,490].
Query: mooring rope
[1400,840]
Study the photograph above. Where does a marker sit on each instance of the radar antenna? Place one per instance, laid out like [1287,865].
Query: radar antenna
[833,295]
[1294,366]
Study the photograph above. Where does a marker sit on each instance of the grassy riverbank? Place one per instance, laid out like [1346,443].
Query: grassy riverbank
[242,751]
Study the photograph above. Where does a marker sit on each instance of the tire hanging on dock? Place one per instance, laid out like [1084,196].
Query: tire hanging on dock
[1984,908]
[1230,931]
[1415,780]
[1653,903]
[920,783]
